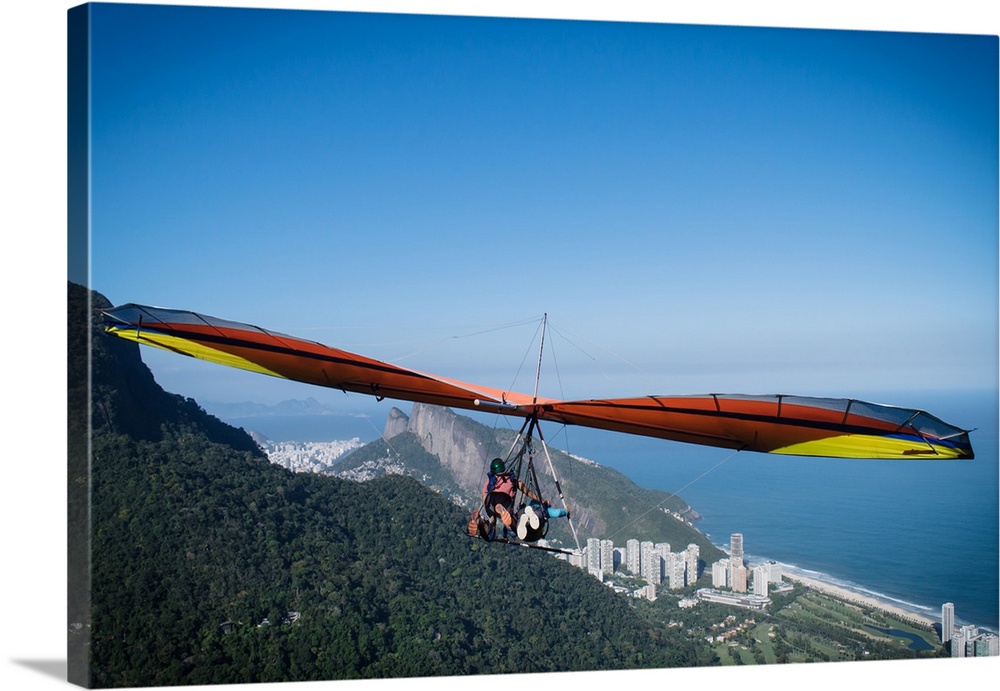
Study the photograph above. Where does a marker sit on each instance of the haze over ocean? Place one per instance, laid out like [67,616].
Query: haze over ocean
[920,532]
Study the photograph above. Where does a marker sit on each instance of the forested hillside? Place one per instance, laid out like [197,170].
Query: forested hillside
[209,564]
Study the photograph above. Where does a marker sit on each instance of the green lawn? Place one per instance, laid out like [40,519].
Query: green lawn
[746,656]
[760,633]
[816,627]
[831,652]
[722,650]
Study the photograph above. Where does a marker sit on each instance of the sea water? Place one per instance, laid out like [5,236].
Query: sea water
[917,532]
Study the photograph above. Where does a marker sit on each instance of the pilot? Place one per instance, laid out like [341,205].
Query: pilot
[498,493]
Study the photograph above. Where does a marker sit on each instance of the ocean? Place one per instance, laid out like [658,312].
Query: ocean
[917,532]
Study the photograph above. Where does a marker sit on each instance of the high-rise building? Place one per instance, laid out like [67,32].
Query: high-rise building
[738,577]
[632,556]
[947,621]
[652,568]
[720,574]
[736,549]
[760,579]
[963,641]
[675,568]
[691,556]
[969,641]
[986,645]
[607,556]
[593,555]
[958,644]
[645,547]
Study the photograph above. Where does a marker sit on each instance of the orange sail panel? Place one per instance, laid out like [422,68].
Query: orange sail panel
[782,424]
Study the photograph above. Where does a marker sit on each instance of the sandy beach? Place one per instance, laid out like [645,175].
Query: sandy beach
[851,596]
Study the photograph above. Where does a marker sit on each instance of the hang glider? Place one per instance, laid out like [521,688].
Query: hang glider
[780,424]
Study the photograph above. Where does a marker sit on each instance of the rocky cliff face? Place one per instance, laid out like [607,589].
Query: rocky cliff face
[464,449]
[459,446]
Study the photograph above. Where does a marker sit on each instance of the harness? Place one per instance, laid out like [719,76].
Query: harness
[530,517]
[491,484]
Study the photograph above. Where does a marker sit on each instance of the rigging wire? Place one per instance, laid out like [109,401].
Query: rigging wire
[594,359]
[479,332]
[673,494]
[555,365]
[527,352]
[497,416]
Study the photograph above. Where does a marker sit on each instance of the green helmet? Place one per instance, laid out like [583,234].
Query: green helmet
[496,467]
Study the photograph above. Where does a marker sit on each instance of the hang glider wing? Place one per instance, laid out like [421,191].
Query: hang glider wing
[772,424]
[793,425]
[267,352]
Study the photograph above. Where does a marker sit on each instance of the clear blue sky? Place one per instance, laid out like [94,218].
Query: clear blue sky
[696,208]
[798,215]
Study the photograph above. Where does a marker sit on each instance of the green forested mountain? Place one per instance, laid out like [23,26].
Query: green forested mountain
[209,564]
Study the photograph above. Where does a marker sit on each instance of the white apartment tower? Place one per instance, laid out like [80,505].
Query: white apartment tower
[958,644]
[963,641]
[633,557]
[947,621]
[652,568]
[607,556]
[691,555]
[593,555]
[675,570]
[645,547]
[720,574]
[736,548]
[760,579]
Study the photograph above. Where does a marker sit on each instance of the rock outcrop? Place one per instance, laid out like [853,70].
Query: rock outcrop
[460,448]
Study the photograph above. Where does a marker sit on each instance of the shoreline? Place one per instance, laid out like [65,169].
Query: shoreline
[919,615]
[857,598]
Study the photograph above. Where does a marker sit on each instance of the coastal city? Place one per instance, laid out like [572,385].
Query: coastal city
[734,581]
[738,584]
[306,456]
